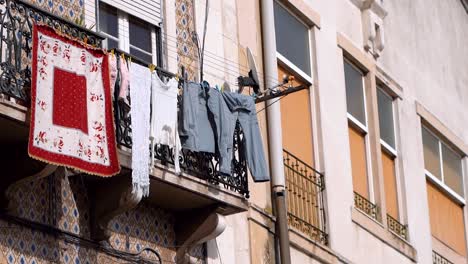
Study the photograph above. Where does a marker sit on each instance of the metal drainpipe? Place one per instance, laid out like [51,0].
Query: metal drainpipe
[274,130]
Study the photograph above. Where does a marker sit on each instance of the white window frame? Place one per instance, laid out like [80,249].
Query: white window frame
[363,129]
[441,182]
[391,150]
[124,34]
[394,152]
[295,69]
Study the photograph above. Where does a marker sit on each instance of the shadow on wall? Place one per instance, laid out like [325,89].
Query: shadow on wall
[63,202]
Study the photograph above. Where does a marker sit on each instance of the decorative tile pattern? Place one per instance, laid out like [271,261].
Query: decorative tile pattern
[144,227]
[187,53]
[32,200]
[63,202]
[72,10]
[200,253]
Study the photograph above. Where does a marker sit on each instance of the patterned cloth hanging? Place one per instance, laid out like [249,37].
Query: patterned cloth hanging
[71,106]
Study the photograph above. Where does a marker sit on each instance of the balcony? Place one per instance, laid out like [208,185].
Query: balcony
[439,259]
[366,206]
[306,209]
[199,195]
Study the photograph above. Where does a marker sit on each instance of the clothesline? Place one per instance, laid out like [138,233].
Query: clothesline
[280,94]
[149,64]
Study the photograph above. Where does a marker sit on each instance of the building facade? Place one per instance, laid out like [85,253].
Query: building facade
[374,140]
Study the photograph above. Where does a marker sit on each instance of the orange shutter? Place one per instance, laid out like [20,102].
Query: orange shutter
[296,121]
[391,195]
[357,146]
[447,222]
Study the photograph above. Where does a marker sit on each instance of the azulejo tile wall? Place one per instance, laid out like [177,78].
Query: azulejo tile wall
[187,53]
[72,10]
[63,202]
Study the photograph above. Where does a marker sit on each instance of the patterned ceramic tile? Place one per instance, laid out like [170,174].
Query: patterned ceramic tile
[63,202]
[186,48]
[72,10]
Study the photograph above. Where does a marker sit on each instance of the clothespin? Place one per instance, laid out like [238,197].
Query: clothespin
[113,52]
[152,67]
[122,56]
[290,80]
[129,59]
[85,40]
[177,77]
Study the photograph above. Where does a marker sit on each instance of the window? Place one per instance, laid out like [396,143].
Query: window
[138,41]
[443,164]
[109,25]
[355,104]
[292,38]
[305,189]
[355,92]
[386,122]
[389,154]
[445,192]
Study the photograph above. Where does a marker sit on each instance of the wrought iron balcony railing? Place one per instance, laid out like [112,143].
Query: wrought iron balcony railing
[439,259]
[201,164]
[366,206]
[306,209]
[17,18]
[396,227]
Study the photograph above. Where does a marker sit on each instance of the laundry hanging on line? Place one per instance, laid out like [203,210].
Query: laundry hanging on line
[209,120]
[164,125]
[140,96]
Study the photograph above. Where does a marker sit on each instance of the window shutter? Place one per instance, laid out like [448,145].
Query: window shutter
[446,216]
[357,145]
[391,196]
[147,10]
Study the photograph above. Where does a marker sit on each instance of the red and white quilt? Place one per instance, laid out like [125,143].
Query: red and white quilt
[71,108]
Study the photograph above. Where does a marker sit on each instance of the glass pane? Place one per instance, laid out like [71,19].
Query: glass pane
[108,20]
[141,55]
[387,129]
[292,39]
[431,153]
[112,43]
[453,175]
[140,34]
[354,92]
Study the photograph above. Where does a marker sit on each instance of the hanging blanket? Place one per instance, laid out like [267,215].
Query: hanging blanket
[71,108]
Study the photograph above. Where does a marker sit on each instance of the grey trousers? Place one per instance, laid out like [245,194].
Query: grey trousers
[196,130]
[228,108]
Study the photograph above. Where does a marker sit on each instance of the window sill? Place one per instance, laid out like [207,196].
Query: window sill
[446,252]
[377,230]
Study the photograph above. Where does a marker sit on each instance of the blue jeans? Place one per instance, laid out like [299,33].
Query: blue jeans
[195,127]
[226,109]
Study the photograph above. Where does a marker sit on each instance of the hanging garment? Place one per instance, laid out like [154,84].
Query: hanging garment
[113,72]
[238,107]
[124,80]
[140,96]
[196,126]
[224,132]
[164,127]
[71,106]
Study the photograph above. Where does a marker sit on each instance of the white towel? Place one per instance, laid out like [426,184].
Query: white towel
[140,96]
